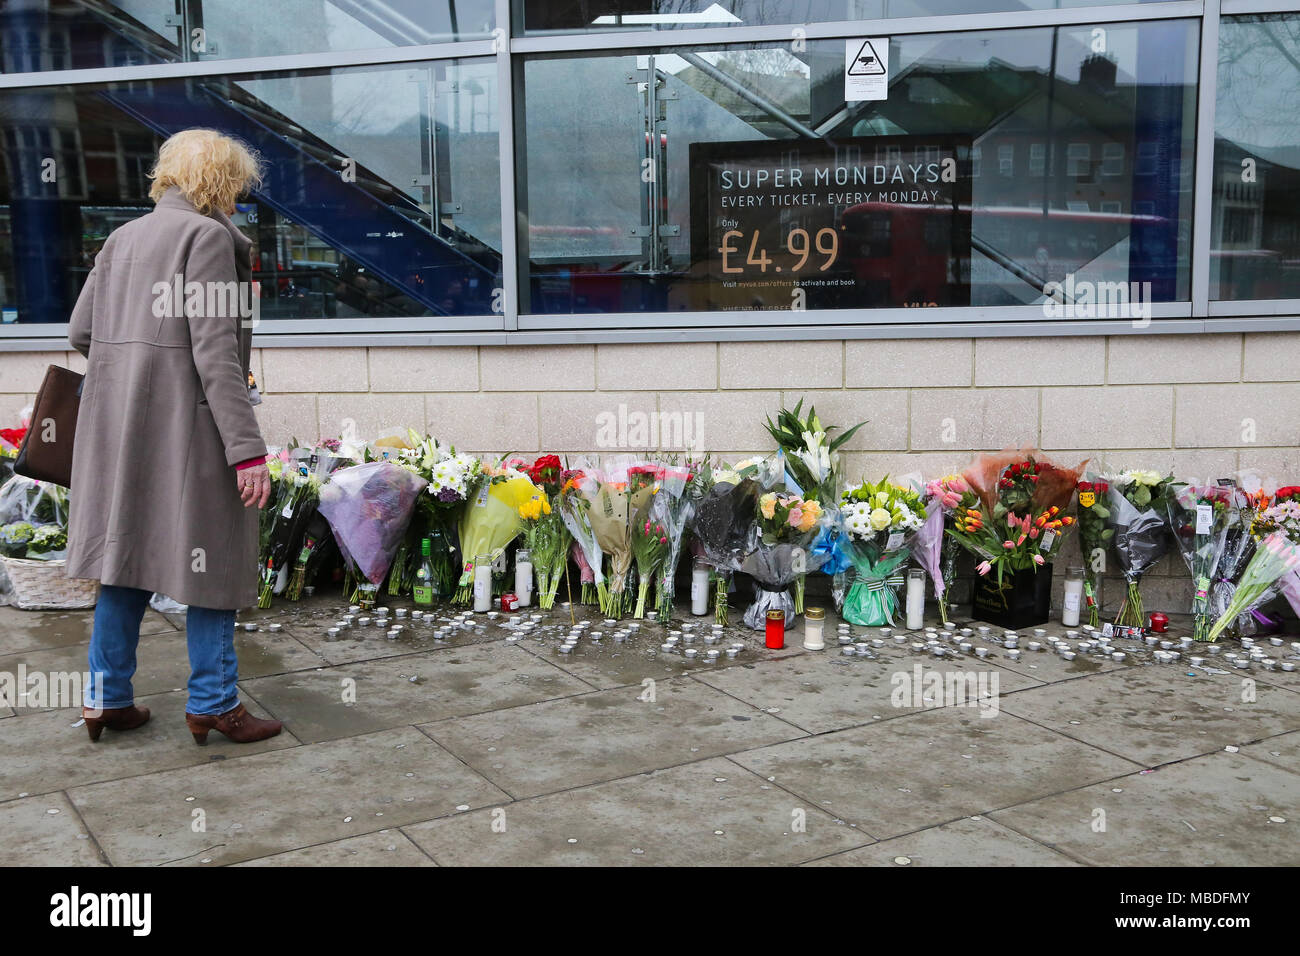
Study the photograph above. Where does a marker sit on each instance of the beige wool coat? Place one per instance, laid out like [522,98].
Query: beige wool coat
[165,413]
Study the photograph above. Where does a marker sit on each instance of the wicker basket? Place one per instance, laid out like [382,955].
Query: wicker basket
[45,585]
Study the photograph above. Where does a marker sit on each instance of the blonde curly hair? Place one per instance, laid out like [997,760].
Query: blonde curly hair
[210,168]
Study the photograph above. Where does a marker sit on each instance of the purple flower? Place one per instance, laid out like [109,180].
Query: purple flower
[448,495]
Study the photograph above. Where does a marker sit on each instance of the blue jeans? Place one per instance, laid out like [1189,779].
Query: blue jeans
[210,635]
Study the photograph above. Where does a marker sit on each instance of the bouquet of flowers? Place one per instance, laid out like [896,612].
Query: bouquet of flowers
[1138,517]
[490,520]
[1198,517]
[881,520]
[438,511]
[779,553]
[617,498]
[33,519]
[548,542]
[574,506]
[11,440]
[1020,480]
[1242,513]
[812,462]
[1095,534]
[368,508]
[1276,557]
[672,511]
[301,474]
[724,517]
[935,549]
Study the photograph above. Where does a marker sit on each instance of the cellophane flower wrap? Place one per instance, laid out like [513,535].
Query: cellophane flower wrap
[618,495]
[1244,505]
[490,520]
[1274,558]
[812,465]
[302,473]
[724,519]
[450,476]
[1139,517]
[671,512]
[1199,518]
[1283,515]
[369,507]
[935,549]
[547,537]
[33,519]
[1095,534]
[1020,522]
[881,520]
[575,499]
[779,553]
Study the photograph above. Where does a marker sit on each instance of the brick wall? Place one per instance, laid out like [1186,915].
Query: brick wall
[1201,405]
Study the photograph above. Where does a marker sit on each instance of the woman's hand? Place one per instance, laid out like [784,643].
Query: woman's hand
[254,485]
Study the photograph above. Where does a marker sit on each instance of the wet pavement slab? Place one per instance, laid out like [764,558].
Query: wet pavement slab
[895,776]
[1223,809]
[605,735]
[274,802]
[710,812]
[974,841]
[472,739]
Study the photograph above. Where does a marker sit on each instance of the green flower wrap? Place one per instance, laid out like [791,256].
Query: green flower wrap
[872,599]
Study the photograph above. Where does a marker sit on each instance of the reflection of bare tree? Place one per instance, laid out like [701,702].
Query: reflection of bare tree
[1259,95]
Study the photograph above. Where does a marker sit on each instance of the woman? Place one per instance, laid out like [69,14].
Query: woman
[168,466]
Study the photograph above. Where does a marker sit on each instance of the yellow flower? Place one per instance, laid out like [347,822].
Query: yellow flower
[879,519]
[767,504]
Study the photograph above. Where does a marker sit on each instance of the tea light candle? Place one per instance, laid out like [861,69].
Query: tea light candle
[848,650]
[691,653]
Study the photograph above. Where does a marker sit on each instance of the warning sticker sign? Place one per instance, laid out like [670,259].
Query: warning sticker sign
[866,69]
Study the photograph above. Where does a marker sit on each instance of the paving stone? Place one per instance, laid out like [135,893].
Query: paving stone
[823,693]
[45,831]
[1280,751]
[359,698]
[708,813]
[1154,715]
[163,664]
[383,848]
[44,751]
[973,841]
[895,776]
[273,802]
[605,735]
[28,630]
[1208,811]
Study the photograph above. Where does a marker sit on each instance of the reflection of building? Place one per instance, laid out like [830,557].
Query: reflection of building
[391,237]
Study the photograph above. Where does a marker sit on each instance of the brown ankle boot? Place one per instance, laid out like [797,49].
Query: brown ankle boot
[237,724]
[114,718]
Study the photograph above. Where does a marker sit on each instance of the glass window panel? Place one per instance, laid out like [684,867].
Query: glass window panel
[536,17]
[75,34]
[610,195]
[1255,232]
[381,197]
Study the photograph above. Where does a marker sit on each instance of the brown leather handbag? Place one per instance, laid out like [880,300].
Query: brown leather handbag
[46,454]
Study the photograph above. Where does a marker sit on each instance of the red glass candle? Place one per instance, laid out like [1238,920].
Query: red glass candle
[1159,622]
[509,602]
[775,634]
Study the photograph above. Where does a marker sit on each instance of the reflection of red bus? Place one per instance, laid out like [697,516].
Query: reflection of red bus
[920,254]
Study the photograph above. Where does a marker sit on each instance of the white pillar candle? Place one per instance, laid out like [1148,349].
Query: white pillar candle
[1073,598]
[524,582]
[700,589]
[814,621]
[482,584]
[915,599]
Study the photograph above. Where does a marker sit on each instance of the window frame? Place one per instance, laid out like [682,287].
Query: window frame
[1199,313]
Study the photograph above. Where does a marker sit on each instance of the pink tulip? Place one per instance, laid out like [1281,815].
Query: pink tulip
[1009,545]
[1038,559]
[983,568]
[663,540]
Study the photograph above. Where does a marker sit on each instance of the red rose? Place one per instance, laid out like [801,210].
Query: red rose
[1085,486]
